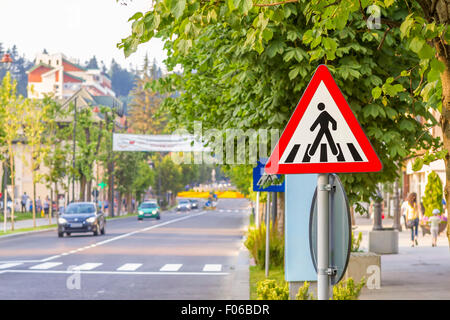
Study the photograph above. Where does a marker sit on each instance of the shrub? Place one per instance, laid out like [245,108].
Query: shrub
[356,243]
[303,293]
[256,244]
[347,290]
[271,290]
[433,194]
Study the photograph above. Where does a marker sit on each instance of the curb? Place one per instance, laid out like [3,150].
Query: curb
[26,232]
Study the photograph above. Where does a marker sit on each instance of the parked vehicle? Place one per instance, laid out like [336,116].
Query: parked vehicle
[149,209]
[81,217]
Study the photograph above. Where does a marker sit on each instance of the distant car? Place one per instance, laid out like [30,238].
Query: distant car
[81,217]
[194,204]
[149,209]
[184,205]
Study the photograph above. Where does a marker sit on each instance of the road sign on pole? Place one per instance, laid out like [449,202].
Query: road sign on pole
[323,136]
[260,179]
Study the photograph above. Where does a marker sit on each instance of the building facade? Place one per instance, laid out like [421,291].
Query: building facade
[56,74]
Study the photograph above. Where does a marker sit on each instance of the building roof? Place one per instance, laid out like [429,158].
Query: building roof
[39,65]
[74,64]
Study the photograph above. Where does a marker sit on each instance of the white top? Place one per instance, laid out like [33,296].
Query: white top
[434,220]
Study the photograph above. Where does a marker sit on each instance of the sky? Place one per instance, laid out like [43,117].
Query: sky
[78,28]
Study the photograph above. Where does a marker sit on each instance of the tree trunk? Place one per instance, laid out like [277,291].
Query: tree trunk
[445,125]
[129,204]
[83,188]
[119,203]
[11,166]
[89,190]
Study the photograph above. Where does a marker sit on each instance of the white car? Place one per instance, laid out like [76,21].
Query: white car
[184,205]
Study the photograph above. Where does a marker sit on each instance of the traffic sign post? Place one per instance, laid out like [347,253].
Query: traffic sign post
[323,281]
[323,136]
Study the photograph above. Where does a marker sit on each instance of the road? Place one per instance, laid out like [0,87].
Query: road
[193,255]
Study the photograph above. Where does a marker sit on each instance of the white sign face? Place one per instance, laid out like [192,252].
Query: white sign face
[159,143]
[322,135]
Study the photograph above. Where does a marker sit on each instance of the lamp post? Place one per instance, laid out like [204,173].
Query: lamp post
[6,59]
[74,146]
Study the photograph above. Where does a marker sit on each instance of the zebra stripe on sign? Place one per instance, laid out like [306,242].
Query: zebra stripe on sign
[324,154]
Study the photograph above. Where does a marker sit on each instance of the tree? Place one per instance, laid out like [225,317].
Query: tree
[57,158]
[12,109]
[92,64]
[122,80]
[246,64]
[167,177]
[433,194]
[145,116]
[89,135]
[34,125]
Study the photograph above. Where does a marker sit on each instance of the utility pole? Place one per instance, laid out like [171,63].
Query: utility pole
[267,235]
[74,146]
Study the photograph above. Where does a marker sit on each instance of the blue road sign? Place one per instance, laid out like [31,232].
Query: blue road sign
[258,173]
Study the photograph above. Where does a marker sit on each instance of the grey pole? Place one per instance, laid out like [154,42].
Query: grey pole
[323,281]
[74,146]
[5,196]
[377,219]
[267,233]
[397,225]
[257,210]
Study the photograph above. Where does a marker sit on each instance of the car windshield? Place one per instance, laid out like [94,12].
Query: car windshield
[183,201]
[194,201]
[148,205]
[80,208]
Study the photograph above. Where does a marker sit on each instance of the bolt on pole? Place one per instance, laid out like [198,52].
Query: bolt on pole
[323,280]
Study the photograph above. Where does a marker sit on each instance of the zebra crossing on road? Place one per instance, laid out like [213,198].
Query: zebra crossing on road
[127,267]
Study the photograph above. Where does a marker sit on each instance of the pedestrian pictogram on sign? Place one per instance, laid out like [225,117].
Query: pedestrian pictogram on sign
[323,135]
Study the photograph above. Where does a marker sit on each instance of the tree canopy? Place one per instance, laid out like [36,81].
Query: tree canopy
[245,65]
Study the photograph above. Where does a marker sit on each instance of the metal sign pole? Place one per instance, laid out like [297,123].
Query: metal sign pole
[257,210]
[267,233]
[323,281]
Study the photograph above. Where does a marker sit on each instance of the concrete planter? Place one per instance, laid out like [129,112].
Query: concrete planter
[364,264]
[383,241]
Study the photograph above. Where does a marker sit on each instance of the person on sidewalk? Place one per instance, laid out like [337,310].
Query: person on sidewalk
[412,217]
[38,206]
[434,228]
[23,201]
[46,206]
[403,210]
[61,204]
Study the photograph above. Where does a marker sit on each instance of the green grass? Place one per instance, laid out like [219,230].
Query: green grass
[256,274]
[125,216]
[27,229]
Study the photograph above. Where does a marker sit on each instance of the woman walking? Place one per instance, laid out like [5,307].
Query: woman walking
[412,217]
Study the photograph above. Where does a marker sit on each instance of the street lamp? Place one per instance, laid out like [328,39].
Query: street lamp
[6,59]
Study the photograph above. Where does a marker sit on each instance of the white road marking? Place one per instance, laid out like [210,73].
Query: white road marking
[171,267]
[46,265]
[118,272]
[112,239]
[9,265]
[129,267]
[87,266]
[212,267]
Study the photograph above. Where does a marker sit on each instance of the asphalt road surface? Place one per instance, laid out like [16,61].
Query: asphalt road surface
[189,255]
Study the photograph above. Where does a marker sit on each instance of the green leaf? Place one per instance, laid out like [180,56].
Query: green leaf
[245,6]
[376,92]
[177,8]
[416,44]
[426,52]
[267,34]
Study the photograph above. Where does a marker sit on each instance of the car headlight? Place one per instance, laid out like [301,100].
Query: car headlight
[141,212]
[62,221]
[91,219]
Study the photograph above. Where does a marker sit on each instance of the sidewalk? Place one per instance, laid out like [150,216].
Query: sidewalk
[22,224]
[415,273]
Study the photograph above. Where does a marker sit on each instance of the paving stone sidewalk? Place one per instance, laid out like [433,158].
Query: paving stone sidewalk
[415,273]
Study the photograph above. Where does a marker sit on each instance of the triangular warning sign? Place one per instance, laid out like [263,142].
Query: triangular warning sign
[323,135]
